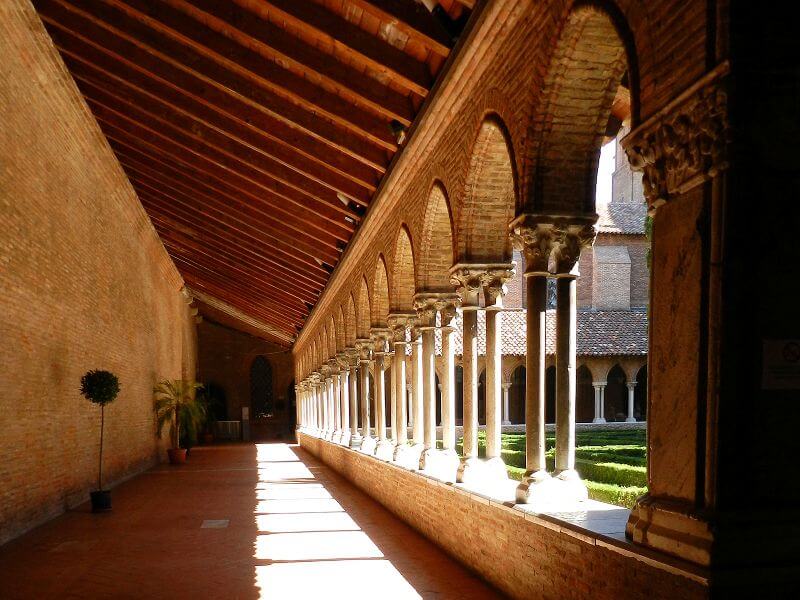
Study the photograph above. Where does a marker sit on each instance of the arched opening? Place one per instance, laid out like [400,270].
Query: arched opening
[403,274]
[436,245]
[584,396]
[261,389]
[550,395]
[516,396]
[489,197]
[291,407]
[616,395]
[459,394]
[363,311]
[380,294]
[640,395]
[482,398]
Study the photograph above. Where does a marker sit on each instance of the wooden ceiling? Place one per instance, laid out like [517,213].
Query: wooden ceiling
[255,132]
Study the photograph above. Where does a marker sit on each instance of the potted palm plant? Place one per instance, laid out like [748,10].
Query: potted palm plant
[176,402]
[100,387]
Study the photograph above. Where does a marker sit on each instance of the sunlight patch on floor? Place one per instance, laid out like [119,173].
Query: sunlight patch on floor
[310,546]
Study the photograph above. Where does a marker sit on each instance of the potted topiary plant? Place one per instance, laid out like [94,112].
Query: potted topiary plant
[176,403]
[100,387]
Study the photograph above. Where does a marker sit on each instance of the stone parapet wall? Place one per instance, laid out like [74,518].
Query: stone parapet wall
[525,555]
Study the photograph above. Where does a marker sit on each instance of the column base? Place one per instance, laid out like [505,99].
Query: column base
[328,435]
[479,472]
[368,445]
[532,486]
[336,437]
[557,492]
[355,440]
[408,456]
[385,450]
[506,422]
[599,420]
[344,438]
[442,464]
[671,527]
[631,420]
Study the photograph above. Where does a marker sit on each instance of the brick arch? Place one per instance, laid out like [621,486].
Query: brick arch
[330,340]
[402,292]
[350,321]
[489,196]
[362,310]
[569,124]
[436,244]
[380,293]
[340,330]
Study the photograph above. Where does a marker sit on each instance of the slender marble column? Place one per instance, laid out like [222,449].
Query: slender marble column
[493,282]
[352,358]
[426,322]
[599,400]
[535,241]
[364,347]
[506,408]
[417,388]
[399,370]
[566,345]
[335,401]
[380,337]
[631,396]
[447,312]
[344,399]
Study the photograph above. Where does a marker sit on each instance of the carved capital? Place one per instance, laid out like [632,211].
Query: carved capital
[425,305]
[447,308]
[533,236]
[398,324]
[379,336]
[494,281]
[325,372]
[686,143]
[364,348]
[570,237]
[467,281]
[352,356]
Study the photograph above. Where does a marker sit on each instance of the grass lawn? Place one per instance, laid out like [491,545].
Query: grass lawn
[612,463]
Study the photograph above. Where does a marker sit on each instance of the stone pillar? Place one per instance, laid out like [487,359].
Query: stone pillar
[599,401]
[409,407]
[336,401]
[364,348]
[417,389]
[447,312]
[426,323]
[506,411]
[398,324]
[534,238]
[493,282]
[467,281]
[570,237]
[330,403]
[380,338]
[352,360]
[325,383]
[344,398]
[631,397]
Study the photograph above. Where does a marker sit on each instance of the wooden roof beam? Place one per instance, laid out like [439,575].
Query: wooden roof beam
[59,13]
[347,39]
[276,44]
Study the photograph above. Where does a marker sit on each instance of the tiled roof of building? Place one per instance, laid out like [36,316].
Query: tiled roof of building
[621,217]
[600,333]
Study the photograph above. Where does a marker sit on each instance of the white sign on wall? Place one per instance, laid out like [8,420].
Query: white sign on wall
[781,365]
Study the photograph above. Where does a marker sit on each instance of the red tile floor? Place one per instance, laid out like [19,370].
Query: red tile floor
[237,521]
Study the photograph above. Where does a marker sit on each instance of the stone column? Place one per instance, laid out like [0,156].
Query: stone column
[631,393]
[329,403]
[599,401]
[493,283]
[570,237]
[409,407]
[352,360]
[398,323]
[380,338]
[467,280]
[534,238]
[418,436]
[364,348]
[426,323]
[506,411]
[447,312]
[336,401]
[344,399]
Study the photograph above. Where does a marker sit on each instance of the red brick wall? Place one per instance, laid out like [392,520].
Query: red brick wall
[84,284]
[224,359]
[525,556]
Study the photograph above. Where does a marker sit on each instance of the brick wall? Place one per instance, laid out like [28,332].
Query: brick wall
[84,284]
[525,556]
[225,357]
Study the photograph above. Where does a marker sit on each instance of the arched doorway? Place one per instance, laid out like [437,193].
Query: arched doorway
[584,396]
[516,396]
[616,395]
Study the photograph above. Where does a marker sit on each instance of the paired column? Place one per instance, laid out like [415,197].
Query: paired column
[335,401]
[417,420]
[380,338]
[447,313]
[471,280]
[599,401]
[506,407]
[551,245]
[426,324]
[344,399]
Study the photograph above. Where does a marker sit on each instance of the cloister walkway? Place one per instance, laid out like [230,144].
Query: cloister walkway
[237,521]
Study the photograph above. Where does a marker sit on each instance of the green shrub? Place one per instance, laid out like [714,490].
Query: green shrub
[614,473]
[614,494]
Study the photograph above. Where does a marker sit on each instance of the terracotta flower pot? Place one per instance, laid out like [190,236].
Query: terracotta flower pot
[177,456]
